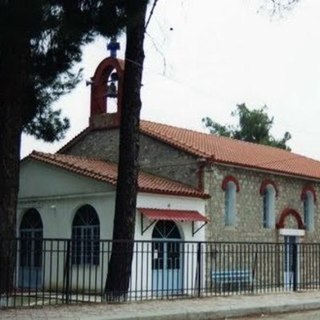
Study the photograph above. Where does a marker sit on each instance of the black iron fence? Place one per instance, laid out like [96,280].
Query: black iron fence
[54,271]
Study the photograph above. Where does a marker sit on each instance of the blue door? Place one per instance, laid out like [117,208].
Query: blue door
[30,250]
[289,259]
[167,262]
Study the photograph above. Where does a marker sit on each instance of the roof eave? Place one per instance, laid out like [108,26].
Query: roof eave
[203,196]
[265,170]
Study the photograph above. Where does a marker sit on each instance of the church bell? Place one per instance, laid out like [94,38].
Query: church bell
[112,90]
[111,87]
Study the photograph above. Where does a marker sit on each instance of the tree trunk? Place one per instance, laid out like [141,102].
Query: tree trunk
[119,270]
[13,84]
[10,133]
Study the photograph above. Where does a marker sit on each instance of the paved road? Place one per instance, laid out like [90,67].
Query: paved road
[309,315]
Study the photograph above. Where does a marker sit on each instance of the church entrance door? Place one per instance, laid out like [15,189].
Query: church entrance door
[290,261]
[167,260]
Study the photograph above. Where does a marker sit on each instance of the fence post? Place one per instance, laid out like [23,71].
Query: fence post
[67,272]
[295,266]
[199,267]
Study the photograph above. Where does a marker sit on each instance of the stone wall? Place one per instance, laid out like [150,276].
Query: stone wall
[99,144]
[155,157]
[249,226]
[163,160]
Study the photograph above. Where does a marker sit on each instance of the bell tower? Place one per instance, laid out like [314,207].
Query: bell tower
[106,90]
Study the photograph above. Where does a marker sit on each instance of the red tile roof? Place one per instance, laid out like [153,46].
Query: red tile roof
[234,152]
[226,150]
[107,172]
[174,215]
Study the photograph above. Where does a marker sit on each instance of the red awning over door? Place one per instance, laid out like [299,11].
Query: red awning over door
[173,215]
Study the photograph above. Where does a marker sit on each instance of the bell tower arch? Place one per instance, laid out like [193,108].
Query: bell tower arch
[107,92]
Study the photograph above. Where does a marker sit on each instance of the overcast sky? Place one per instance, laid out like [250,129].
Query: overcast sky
[203,57]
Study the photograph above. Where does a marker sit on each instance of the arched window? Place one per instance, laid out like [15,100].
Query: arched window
[31,233]
[166,230]
[230,204]
[308,210]
[231,186]
[268,217]
[31,220]
[85,236]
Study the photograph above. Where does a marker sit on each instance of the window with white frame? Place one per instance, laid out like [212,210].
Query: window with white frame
[269,195]
[85,236]
[308,210]
[230,204]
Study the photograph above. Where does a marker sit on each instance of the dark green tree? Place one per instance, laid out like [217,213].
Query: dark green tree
[40,41]
[254,126]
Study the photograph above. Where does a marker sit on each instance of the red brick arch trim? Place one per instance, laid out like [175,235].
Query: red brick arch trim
[98,86]
[287,212]
[228,179]
[305,190]
[267,182]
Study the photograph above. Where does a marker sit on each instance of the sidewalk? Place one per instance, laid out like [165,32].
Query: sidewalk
[185,309]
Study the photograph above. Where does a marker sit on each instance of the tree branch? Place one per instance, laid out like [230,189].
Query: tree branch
[151,13]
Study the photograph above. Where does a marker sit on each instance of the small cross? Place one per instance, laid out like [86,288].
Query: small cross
[113,46]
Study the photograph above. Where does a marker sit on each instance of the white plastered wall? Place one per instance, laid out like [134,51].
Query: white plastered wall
[142,261]
[57,194]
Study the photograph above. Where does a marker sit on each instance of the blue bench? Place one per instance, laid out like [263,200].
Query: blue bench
[231,280]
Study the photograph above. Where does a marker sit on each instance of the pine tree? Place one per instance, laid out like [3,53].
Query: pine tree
[40,41]
[254,126]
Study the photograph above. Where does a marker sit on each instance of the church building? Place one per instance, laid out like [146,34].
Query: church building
[193,187]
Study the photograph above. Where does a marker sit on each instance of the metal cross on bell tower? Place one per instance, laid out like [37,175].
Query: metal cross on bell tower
[113,46]
[107,88]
